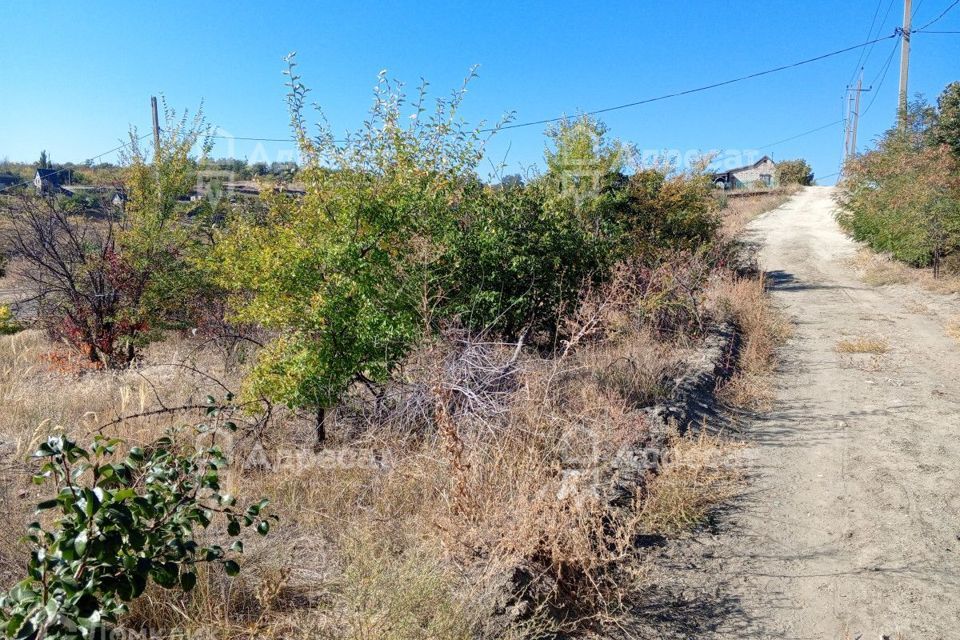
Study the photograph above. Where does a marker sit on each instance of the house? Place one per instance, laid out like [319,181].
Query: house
[762,171]
[47,181]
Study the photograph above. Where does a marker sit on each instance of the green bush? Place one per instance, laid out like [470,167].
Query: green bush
[396,233]
[8,323]
[904,196]
[519,262]
[122,522]
[669,212]
[791,172]
[345,276]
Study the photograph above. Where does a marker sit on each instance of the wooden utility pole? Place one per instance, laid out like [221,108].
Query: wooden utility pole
[904,63]
[156,125]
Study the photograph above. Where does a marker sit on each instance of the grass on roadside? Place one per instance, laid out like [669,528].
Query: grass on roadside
[763,330]
[863,344]
[878,270]
[699,474]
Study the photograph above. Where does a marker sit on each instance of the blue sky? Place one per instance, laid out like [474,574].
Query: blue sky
[75,75]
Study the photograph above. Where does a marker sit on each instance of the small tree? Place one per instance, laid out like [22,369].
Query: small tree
[86,292]
[794,172]
[345,275]
[107,286]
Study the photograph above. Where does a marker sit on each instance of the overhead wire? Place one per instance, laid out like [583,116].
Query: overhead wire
[941,16]
[707,87]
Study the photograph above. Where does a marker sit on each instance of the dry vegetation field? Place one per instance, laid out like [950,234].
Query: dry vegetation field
[460,503]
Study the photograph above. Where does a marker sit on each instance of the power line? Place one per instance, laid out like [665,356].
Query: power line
[880,26]
[881,76]
[253,139]
[939,32]
[793,137]
[940,17]
[860,59]
[703,88]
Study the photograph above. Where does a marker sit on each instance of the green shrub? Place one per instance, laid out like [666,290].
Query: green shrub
[344,276]
[904,196]
[122,522]
[8,324]
[519,262]
[791,172]
[669,212]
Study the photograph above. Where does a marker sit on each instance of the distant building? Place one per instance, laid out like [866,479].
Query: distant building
[47,181]
[119,198]
[9,180]
[762,171]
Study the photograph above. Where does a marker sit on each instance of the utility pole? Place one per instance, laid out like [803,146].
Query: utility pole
[904,63]
[856,113]
[156,125]
[848,119]
[853,116]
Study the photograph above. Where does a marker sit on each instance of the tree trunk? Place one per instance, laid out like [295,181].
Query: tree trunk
[321,425]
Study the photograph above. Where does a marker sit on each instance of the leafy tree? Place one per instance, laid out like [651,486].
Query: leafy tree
[122,522]
[44,162]
[164,235]
[345,275]
[904,196]
[791,172]
[947,130]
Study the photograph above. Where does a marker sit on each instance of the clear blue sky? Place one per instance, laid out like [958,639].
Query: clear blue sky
[74,75]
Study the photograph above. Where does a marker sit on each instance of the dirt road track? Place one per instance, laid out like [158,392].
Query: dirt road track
[851,525]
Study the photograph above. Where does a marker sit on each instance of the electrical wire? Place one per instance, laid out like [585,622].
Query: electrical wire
[883,21]
[882,76]
[941,16]
[714,85]
[860,59]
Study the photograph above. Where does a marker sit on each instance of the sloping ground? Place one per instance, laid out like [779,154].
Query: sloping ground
[851,527]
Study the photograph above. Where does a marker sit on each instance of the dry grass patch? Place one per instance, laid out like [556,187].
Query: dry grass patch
[763,328]
[487,460]
[953,328]
[874,345]
[699,475]
[879,270]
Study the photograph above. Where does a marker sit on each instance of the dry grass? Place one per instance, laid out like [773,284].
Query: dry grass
[763,328]
[863,344]
[488,455]
[953,328]
[698,475]
[878,270]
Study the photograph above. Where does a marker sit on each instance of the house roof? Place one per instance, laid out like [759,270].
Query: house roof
[746,166]
[53,175]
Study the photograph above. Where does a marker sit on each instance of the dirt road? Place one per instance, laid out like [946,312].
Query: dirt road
[851,525]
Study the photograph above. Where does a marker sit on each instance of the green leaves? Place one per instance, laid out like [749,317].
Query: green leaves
[124,522]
